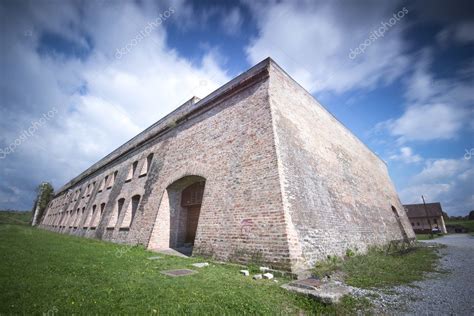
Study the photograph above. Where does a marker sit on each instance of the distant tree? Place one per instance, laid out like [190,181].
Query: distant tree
[471,215]
[445,216]
[460,218]
[44,195]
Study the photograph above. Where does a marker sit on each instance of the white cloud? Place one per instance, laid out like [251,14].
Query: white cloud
[428,122]
[312,41]
[462,32]
[232,21]
[436,108]
[102,101]
[412,194]
[450,181]
[406,155]
[441,169]
[422,87]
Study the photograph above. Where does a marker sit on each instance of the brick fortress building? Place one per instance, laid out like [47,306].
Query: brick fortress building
[258,169]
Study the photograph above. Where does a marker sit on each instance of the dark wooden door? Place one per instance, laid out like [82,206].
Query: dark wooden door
[192,223]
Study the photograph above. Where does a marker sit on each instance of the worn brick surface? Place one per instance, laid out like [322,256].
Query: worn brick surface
[285,183]
[337,193]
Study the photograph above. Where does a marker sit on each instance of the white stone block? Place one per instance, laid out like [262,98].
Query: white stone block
[257,277]
[268,276]
[245,272]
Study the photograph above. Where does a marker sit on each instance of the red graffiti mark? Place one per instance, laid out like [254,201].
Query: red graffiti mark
[246,226]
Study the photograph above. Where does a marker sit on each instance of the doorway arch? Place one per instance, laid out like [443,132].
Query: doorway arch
[178,215]
[191,200]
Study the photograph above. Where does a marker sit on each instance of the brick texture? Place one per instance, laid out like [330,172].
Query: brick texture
[285,183]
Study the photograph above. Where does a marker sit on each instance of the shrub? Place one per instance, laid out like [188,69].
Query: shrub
[327,267]
[350,253]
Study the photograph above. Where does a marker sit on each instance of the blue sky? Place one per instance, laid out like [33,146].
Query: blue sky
[79,78]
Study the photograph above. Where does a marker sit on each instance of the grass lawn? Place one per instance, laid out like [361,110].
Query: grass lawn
[43,272]
[465,223]
[426,236]
[378,269]
[12,217]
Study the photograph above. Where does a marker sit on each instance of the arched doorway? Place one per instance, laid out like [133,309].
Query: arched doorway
[191,200]
[177,221]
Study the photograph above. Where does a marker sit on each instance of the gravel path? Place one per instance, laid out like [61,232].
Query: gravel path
[449,293]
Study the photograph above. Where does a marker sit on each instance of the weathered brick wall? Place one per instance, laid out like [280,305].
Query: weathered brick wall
[285,183]
[337,193]
[231,146]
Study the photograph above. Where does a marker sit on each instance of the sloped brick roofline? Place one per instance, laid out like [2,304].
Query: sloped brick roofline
[418,210]
[190,108]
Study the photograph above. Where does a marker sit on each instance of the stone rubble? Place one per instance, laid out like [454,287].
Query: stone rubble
[257,277]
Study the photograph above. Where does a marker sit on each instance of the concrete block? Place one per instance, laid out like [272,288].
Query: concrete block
[257,277]
[328,293]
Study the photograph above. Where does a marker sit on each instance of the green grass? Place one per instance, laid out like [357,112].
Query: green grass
[14,217]
[378,269]
[43,272]
[427,236]
[469,225]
